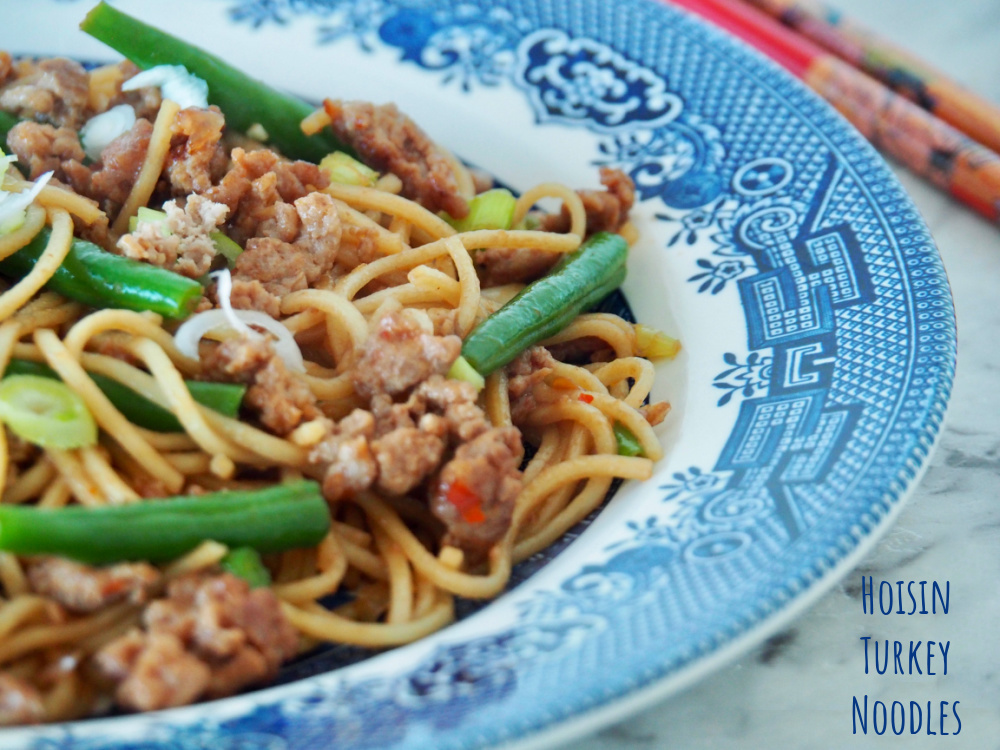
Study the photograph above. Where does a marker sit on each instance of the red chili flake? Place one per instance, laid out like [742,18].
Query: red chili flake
[586,398]
[466,501]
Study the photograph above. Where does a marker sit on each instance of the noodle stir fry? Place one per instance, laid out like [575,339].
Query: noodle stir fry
[276,376]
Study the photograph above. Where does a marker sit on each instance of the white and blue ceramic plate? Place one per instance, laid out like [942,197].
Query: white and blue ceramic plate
[819,348]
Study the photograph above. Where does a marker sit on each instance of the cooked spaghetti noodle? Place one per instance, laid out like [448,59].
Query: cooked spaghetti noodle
[395,555]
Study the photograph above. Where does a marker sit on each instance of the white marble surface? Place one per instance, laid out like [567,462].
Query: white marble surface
[795,692]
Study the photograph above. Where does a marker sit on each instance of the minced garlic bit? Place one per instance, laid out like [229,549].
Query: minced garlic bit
[257,132]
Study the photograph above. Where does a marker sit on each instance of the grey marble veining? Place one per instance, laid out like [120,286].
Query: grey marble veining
[795,691]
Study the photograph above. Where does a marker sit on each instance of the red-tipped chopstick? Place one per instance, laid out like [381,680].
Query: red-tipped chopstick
[926,145]
[896,68]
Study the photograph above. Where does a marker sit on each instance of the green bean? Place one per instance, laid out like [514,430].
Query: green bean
[224,398]
[98,278]
[546,306]
[243,100]
[245,563]
[278,518]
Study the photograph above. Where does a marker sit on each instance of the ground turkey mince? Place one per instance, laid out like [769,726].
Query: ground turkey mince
[424,433]
[211,636]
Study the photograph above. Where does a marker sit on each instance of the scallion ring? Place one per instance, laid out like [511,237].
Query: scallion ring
[46,412]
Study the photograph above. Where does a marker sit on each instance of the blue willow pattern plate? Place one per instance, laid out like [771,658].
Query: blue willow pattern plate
[815,314]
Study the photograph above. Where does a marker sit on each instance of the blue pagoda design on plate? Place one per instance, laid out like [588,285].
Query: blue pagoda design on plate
[806,272]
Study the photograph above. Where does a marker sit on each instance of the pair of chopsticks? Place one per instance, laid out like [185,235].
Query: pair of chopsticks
[943,133]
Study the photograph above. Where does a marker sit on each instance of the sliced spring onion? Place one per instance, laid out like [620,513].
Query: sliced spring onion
[346,170]
[226,247]
[198,326]
[99,131]
[148,216]
[245,563]
[175,83]
[46,412]
[493,209]
[462,370]
[628,443]
[14,205]
[653,344]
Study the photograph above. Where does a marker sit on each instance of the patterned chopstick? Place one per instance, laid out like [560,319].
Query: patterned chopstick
[899,70]
[926,145]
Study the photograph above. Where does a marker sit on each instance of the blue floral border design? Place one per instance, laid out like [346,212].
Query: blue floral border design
[850,342]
